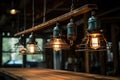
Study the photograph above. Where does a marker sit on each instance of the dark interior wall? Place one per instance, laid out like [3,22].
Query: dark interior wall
[0,48]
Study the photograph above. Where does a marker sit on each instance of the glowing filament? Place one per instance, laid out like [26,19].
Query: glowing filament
[57,45]
[32,48]
[95,43]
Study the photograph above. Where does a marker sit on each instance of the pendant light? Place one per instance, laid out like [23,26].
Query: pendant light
[71,29]
[71,32]
[13,11]
[21,44]
[57,43]
[94,39]
[32,46]
[22,39]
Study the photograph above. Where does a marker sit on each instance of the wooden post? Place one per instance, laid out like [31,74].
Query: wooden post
[87,55]
[24,56]
[87,62]
[103,62]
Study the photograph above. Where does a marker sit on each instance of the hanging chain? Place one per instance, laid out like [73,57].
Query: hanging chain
[24,16]
[72,6]
[33,14]
[12,4]
[44,11]
[18,22]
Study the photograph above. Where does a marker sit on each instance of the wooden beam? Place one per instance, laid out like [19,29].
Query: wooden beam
[87,55]
[84,9]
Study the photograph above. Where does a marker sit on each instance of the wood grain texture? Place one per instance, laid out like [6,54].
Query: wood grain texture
[49,74]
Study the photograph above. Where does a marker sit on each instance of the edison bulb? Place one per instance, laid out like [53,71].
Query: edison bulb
[31,48]
[94,41]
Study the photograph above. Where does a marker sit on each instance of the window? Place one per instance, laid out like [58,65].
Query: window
[9,53]
[36,58]
[12,57]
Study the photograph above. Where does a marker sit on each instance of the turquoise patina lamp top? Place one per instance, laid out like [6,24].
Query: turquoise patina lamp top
[92,24]
[56,31]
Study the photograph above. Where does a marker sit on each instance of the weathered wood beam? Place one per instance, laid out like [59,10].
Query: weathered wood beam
[76,12]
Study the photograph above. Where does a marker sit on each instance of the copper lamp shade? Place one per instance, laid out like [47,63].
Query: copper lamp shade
[57,43]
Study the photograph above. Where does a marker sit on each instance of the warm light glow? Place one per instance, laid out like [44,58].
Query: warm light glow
[31,48]
[56,47]
[23,50]
[95,34]
[94,42]
[57,44]
[13,11]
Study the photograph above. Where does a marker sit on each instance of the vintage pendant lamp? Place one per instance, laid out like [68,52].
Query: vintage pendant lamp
[57,43]
[71,29]
[94,39]
[13,11]
[32,47]
[71,32]
[20,45]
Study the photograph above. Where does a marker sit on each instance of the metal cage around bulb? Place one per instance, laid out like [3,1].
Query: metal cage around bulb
[93,42]
[32,47]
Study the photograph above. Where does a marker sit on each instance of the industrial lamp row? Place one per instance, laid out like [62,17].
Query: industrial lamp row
[93,40]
